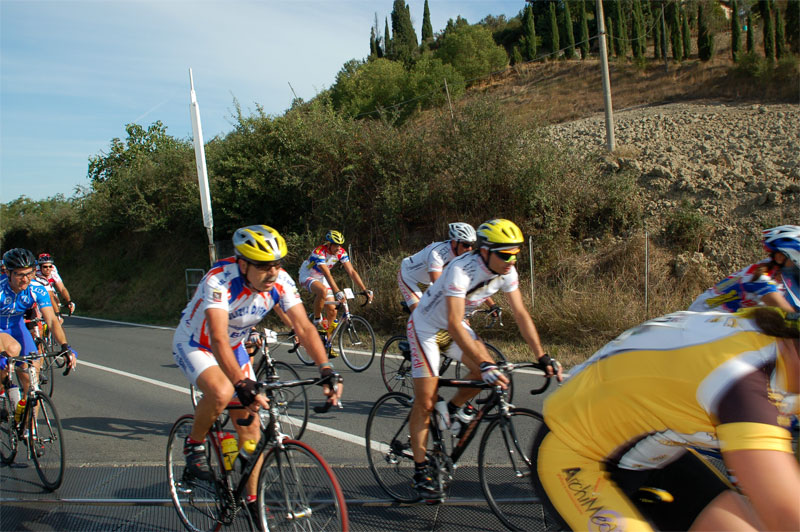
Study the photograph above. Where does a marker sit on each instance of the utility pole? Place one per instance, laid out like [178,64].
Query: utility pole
[601,30]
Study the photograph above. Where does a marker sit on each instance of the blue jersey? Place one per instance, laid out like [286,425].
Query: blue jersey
[13,306]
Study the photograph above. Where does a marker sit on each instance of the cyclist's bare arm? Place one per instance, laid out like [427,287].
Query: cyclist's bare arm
[771,481]
[774,299]
[434,276]
[52,321]
[62,290]
[309,338]
[217,321]
[282,315]
[472,349]
[357,279]
[527,328]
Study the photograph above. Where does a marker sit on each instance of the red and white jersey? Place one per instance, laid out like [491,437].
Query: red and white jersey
[51,279]
[467,277]
[224,287]
[321,255]
[433,258]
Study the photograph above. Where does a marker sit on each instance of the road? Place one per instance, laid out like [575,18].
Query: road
[119,405]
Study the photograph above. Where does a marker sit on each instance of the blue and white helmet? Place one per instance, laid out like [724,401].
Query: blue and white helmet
[462,232]
[784,238]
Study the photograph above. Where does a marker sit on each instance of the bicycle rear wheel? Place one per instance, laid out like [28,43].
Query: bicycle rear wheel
[356,343]
[292,403]
[297,490]
[198,502]
[388,443]
[396,366]
[504,469]
[46,441]
[8,434]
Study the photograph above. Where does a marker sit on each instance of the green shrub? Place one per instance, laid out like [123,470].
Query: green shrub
[686,228]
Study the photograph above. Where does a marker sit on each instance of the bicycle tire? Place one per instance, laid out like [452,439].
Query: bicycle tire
[505,469]
[395,367]
[388,444]
[297,490]
[47,375]
[301,352]
[197,502]
[8,433]
[46,441]
[356,343]
[292,403]
[195,394]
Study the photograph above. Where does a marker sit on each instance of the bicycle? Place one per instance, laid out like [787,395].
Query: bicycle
[297,489]
[503,453]
[46,344]
[39,426]
[396,359]
[292,403]
[353,336]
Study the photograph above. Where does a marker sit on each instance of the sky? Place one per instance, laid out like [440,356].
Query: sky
[74,73]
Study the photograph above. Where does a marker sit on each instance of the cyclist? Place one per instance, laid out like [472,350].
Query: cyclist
[49,273]
[17,295]
[773,281]
[421,269]
[437,326]
[315,276]
[236,294]
[624,422]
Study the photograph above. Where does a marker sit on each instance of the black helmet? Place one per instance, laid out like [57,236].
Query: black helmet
[18,258]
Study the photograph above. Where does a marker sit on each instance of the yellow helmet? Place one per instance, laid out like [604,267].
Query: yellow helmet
[335,237]
[499,234]
[259,244]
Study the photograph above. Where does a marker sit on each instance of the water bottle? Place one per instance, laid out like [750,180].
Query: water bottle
[20,409]
[229,450]
[248,447]
[462,418]
[333,325]
[443,417]
[13,396]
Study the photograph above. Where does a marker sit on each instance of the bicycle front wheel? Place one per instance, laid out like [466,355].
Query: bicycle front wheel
[504,469]
[47,376]
[46,442]
[297,490]
[8,434]
[396,366]
[356,343]
[301,352]
[198,502]
[388,443]
[497,356]
[292,403]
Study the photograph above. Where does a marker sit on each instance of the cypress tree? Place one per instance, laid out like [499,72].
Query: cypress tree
[584,36]
[373,45]
[643,25]
[736,32]
[516,56]
[528,34]
[750,38]
[780,40]
[404,38]
[427,28]
[387,39]
[555,44]
[635,33]
[657,38]
[769,31]
[686,33]
[610,35]
[705,37]
[570,53]
[622,29]
[675,32]
[793,26]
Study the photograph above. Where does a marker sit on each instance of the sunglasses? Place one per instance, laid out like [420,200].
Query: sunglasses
[467,245]
[507,256]
[264,267]
[46,266]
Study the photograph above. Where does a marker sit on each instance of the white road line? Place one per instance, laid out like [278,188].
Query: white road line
[124,323]
[338,434]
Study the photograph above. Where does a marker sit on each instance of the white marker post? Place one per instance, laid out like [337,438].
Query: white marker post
[202,172]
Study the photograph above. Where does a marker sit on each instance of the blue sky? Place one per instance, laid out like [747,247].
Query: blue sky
[74,73]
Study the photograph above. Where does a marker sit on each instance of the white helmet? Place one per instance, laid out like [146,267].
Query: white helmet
[462,232]
[784,238]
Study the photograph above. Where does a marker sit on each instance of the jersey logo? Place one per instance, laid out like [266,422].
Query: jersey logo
[216,296]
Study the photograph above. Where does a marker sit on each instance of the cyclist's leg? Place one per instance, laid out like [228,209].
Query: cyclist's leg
[577,490]
[22,335]
[409,290]
[248,432]
[11,348]
[453,351]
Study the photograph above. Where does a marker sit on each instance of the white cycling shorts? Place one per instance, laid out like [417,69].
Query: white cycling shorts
[427,346]
[307,280]
[194,360]
[409,289]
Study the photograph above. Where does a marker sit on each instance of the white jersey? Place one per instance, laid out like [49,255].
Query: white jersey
[433,258]
[51,279]
[467,277]
[224,287]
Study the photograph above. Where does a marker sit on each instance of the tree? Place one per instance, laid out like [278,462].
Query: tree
[750,37]
[584,36]
[675,32]
[736,31]
[427,28]
[621,29]
[472,51]
[768,28]
[610,35]
[705,36]
[570,52]
[373,44]
[686,33]
[387,39]
[637,31]
[404,38]
[780,38]
[555,45]
[528,34]
[657,37]
[793,26]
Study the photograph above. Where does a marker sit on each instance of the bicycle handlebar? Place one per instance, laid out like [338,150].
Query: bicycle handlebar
[497,316]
